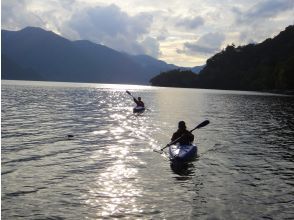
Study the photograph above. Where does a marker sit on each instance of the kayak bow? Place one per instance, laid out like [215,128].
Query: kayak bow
[182,152]
[138,109]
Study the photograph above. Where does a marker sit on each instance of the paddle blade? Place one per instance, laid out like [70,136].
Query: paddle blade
[128,92]
[158,151]
[206,122]
[166,146]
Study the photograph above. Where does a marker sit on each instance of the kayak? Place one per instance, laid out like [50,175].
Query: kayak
[138,109]
[182,152]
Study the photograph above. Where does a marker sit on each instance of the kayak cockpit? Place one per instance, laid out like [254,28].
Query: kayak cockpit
[182,152]
[138,109]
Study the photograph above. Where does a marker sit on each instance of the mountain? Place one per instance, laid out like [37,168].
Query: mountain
[197,69]
[267,66]
[175,78]
[55,58]
[152,65]
[11,70]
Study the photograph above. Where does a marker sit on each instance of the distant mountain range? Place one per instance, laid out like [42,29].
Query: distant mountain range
[35,54]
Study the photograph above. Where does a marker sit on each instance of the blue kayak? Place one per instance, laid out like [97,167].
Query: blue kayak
[182,152]
[138,109]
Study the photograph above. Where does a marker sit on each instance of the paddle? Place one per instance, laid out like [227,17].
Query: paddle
[130,93]
[201,125]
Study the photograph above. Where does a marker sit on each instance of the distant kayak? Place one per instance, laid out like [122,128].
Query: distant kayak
[138,109]
[182,152]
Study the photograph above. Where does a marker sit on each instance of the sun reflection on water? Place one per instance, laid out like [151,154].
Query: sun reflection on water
[115,190]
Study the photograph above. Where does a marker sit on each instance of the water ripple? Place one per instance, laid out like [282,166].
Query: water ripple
[108,170]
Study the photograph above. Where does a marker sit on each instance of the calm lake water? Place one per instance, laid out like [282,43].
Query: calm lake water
[109,170]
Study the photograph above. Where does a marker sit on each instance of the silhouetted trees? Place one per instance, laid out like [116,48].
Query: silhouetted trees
[175,78]
[265,66]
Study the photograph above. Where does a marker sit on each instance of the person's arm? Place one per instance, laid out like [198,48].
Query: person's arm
[174,137]
[136,101]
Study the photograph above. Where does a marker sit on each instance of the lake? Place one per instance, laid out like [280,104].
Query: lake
[109,169]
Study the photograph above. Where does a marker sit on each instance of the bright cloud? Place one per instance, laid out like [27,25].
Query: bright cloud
[207,44]
[184,33]
[264,10]
[190,23]
[112,27]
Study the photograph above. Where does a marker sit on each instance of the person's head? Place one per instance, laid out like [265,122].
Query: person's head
[182,125]
[139,98]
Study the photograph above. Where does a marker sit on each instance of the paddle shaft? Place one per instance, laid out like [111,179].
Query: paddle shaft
[130,94]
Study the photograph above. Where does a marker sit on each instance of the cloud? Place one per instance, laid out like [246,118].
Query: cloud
[190,23]
[263,10]
[15,15]
[208,44]
[261,20]
[50,15]
[107,25]
[110,26]
[151,46]
[162,34]
[155,27]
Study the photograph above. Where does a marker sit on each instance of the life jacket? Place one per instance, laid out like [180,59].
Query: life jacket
[139,103]
[186,137]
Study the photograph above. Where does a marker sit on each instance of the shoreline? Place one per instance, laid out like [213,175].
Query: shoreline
[273,91]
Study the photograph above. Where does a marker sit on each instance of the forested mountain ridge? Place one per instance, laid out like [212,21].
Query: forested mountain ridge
[265,66]
[175,78]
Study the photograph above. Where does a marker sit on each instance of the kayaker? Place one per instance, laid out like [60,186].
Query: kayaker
[185,137]
[139,102]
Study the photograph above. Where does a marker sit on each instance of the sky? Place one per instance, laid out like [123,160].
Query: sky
[181,32]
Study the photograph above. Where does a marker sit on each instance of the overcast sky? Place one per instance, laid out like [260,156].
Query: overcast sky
[181,32]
